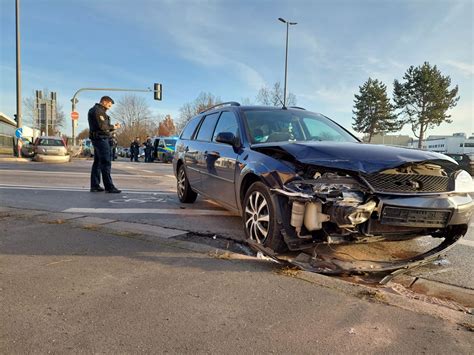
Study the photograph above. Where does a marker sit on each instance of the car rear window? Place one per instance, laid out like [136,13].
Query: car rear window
[48,142]
[207,127]
[190,128]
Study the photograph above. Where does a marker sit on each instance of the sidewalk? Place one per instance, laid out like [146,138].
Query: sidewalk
[39,158]
[10,157]
[70,284]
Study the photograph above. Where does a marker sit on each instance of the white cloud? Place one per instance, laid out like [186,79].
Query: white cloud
[336,99]
[467,68]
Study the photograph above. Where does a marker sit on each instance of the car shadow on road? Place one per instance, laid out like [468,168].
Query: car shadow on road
[33,237]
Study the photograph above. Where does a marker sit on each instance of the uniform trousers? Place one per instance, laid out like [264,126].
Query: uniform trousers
[102,164]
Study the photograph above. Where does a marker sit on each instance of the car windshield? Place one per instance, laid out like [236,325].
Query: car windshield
[295,126]
[170,143]
[51,142]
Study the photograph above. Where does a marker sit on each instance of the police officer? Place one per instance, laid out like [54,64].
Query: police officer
[100,132]
[148,150]
[135,149]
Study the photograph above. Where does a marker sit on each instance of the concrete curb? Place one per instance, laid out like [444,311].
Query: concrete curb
[10,158]
[436,289]
[384,294]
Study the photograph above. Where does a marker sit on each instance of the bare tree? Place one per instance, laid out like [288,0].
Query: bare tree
[274,96]
[29,109]
[135,117]
[131,110]
[30,114]
[167,127]
[191,109]
[83,134]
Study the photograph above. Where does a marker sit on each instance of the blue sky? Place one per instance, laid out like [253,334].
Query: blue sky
[233,48]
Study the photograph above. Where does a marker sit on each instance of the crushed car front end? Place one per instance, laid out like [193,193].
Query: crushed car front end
[382,195]
[342,208]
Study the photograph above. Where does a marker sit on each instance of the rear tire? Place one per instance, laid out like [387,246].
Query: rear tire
[260,218]
[185,193]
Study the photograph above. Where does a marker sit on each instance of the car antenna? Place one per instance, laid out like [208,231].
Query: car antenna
[282,104]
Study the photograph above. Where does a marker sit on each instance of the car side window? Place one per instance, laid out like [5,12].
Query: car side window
[190,128]
[227,123]
[207,127]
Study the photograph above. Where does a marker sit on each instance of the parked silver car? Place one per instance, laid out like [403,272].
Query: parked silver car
[51,147]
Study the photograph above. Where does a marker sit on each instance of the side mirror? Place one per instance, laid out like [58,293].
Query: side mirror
[227,138]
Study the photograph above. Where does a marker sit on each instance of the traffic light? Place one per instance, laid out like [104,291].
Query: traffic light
[157,91]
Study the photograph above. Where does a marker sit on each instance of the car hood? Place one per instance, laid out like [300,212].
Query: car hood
[359,157]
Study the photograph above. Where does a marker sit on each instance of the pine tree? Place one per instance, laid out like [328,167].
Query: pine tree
[424,98]
[373,110]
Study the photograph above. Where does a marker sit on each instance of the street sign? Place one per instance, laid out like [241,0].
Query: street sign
[75,115]
[19,132]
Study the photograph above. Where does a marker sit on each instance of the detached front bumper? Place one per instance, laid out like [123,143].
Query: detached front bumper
[426,211]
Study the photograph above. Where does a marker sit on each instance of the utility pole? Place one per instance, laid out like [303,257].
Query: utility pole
[18,67]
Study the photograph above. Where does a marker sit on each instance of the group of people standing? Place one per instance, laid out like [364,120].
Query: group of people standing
[135,150]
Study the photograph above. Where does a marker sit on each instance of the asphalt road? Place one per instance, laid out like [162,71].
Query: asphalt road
[149,197]
[66,287]
[69,289]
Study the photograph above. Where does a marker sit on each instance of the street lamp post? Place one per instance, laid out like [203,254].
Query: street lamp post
[288,23]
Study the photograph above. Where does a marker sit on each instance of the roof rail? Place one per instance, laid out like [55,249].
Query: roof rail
[297,107]
[230,103]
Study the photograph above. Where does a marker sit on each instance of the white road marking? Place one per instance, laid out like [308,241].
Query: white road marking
[147,171]
[72,173]
[182,212]
[469,243]
[78,189]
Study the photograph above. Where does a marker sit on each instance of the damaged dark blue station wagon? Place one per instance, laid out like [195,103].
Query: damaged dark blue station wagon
[298,178]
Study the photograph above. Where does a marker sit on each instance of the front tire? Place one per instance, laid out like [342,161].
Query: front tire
[185,193]
[260,218]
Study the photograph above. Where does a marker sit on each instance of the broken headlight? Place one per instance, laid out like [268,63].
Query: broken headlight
[463,182]
[328,198]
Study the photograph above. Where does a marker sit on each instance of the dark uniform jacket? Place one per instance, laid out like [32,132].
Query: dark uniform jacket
[135,147]
[99,122]
[148,146]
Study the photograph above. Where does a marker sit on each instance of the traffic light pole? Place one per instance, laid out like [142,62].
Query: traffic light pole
[74,101]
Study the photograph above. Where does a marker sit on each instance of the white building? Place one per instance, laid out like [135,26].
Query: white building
[458,143]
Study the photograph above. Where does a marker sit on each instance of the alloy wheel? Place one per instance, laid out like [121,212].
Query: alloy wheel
[257,217]
[181,185]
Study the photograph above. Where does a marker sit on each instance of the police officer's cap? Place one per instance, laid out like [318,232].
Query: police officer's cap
[107,98]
